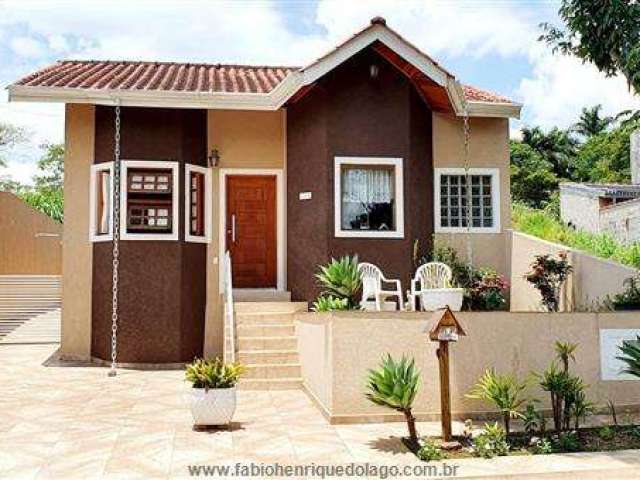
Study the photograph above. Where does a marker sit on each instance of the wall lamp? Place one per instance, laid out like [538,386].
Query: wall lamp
[214,158]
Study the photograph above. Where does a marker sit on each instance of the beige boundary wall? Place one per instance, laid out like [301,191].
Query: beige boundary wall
[591,281]
[336,350]
[30,241]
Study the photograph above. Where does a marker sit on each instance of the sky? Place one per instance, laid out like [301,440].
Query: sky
[491,44]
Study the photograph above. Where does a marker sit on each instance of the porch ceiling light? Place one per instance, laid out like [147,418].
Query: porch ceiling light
[373,71]
[214,157]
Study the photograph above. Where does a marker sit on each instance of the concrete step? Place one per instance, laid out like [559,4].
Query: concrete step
[270,357]
[269,330]
[268,343]
[279,371]
[269,307]
[270,384]
[264,318]
[260,295]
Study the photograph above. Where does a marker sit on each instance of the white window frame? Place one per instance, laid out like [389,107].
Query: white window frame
[396,163]
[208,203]
[495,199]
[175,191]
[93,199]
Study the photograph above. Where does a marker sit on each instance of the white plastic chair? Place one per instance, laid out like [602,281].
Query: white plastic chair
[434,279]
[372,286]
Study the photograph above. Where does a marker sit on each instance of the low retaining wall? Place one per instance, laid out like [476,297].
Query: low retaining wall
[337,349]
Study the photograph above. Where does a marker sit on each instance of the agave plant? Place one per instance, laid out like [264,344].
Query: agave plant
[630,350]
[341,279]
[502,391]
[329,304]
[395,385]
[565,351]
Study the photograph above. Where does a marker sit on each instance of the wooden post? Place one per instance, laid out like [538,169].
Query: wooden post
[445,397]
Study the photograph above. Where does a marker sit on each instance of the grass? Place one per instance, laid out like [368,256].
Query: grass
[541,224]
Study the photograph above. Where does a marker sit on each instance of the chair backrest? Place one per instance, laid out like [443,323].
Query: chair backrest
[371,279]
[433,275]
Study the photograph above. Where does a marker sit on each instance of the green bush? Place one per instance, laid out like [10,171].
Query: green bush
[568,442]
[630,350]
[606,433]
[629,299]
[329,304]
[491,442]
[430,452]
[543,447]
[208,374]
[341,279]
[542,225]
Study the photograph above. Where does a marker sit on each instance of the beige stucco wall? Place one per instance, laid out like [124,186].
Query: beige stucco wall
[488,148]
[244,139]
[76,247]
[509,342]
[582,211]
[30,241]
[591,281]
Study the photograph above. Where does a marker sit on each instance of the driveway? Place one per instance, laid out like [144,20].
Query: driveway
[75,422]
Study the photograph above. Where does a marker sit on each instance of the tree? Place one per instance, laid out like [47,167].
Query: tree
[591,123]
[604,33]
[532,177]
[51,166]
[555,146]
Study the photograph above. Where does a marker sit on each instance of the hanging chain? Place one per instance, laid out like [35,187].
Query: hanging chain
[116,244]
[467,134]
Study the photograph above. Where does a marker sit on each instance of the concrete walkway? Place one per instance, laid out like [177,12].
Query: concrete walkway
[68,422]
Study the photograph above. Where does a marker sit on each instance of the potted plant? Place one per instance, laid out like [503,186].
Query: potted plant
[213,393]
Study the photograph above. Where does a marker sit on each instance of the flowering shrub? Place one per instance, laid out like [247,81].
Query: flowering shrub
[547,275]
[487,290]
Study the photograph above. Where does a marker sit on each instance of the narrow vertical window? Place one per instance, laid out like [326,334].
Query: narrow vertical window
[197,204]
[101,215]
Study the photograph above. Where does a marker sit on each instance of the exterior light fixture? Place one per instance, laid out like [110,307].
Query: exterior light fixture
[444,328]
[373,71]
[214,158]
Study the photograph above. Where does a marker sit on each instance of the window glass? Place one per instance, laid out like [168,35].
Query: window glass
[149,200]
[196,204]
[368,197]
[103,202]
[454,198]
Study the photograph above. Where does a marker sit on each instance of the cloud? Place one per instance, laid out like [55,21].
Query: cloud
[560,86]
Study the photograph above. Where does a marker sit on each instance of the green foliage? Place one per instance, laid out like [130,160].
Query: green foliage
[208,374]
[49,202]
[10,135]
[430,452]
[630,350]
[591,123]
[532,178]
[395,385]
[568,442]
[341,279]
[504,392]
[606,34]
[565,351]
[51,167]
[539,224]
[491,442]
[547,275]
[556,146]
[329,304]
[568,398]
[606,433]
[533,419]
[629,299]
[543,447]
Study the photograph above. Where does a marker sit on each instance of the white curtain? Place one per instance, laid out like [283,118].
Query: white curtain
[367,185]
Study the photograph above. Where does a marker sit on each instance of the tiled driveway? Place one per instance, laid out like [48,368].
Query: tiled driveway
[68,422]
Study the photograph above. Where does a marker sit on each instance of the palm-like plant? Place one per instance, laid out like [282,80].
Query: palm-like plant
[395,385]
[591,123]
[630,350]
[503,392]
[556,146]
[341,279]
[565,351]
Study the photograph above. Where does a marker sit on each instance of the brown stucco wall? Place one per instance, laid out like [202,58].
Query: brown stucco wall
[77,256]
[348,114]
[30,241]
[247,140]
[162,283]
[335,357]
[488,148]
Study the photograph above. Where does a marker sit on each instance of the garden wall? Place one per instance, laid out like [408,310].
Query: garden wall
[591,281]
[337,349]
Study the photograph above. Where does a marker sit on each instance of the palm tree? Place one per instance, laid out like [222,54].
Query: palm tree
[565,351]
[591,123]
[556,146]
[395,385]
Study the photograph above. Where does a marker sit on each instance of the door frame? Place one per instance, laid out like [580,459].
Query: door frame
[280,216]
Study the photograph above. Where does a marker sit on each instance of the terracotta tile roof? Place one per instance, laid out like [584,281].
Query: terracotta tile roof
[178,77]
[159,76]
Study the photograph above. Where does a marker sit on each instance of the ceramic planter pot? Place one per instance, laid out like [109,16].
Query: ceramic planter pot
[436,298]
[215,406]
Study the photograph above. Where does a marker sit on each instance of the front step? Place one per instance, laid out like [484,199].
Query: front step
[260,295]
[269,330]
[270,384]
[241,307]
[264,318]
[278,371]
[268,343]
[270,357]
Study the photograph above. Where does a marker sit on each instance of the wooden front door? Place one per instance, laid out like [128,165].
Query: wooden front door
[251,230]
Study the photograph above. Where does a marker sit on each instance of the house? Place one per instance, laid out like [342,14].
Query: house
[361,151]
[606,208]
